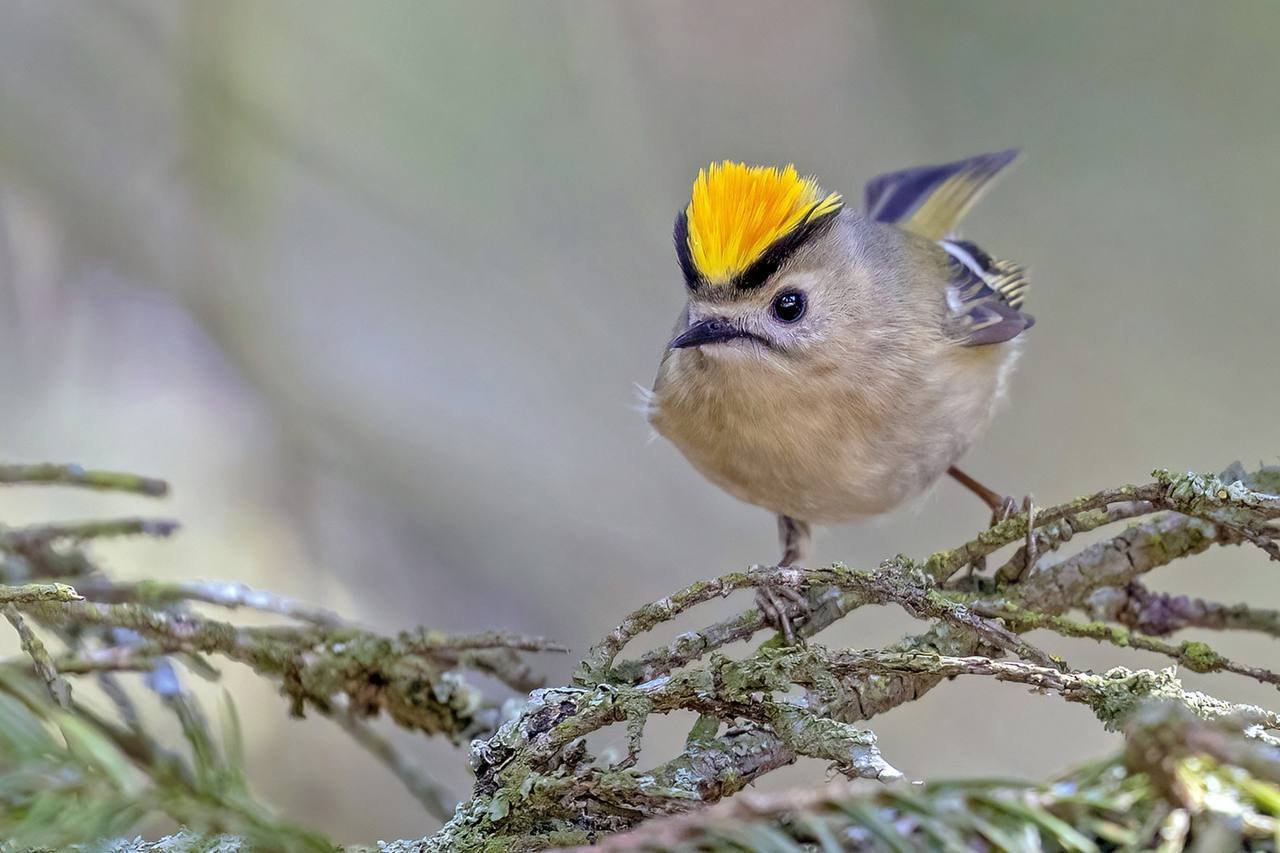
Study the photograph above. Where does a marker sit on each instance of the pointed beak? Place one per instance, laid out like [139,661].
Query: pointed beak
[711,331]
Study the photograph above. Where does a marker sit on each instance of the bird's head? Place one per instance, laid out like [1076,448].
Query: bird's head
[754,246]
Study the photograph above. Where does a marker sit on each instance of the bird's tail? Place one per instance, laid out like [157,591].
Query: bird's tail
[931,200]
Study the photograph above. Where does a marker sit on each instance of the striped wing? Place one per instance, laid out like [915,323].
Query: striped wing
[984,296]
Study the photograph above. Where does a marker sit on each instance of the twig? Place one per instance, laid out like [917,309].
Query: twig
[944,564]
[230,595]
[830,606]
[17,539]
[135,657]
[691,646]
[595,666]
[36,592]
[1196,656]
[430,642]
[432,797]
[1161,613]
[897,582]
[59,689]
[75,475]
[1233,505]
[114,690]
[1112,695]
[674,832]
[1051,536]
[1056,587]
[419,688]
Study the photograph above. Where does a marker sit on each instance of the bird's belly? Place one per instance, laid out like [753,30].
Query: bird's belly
[815,465]
[824,456]
[837,478]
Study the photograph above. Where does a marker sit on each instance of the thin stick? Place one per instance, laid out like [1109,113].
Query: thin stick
[77,531]
[431,795]
[50,474]
[59,689]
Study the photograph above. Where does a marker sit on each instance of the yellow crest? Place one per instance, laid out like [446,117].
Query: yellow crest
[736,212]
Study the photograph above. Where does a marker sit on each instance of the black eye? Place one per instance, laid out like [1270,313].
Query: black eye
[788,307]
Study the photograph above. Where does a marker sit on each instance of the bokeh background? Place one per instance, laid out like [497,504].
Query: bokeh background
[371,285]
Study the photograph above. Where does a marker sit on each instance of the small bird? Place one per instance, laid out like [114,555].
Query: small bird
[831,364]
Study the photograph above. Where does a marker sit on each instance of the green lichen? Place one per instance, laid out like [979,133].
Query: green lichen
[1198,657]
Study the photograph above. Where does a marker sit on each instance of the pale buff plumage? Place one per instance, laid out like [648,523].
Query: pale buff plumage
[866,412]
[890,375]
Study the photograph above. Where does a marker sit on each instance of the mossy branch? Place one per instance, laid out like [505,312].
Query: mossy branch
[49,474]
[537,783]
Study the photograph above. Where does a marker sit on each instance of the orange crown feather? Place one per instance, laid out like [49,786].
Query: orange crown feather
[737,212]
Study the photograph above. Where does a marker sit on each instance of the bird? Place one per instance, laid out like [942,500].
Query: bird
[831,363]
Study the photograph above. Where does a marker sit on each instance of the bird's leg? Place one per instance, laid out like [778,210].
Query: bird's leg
[1002,506]
[793,535]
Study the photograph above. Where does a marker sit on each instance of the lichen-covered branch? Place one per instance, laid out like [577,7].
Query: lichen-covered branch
[1161,613]
[1194,655]
[24,538]
[539,786]
[1117,804]
[416,684]
[33,593]
[59,690]
[1112,695]
[425,790]
[75,475]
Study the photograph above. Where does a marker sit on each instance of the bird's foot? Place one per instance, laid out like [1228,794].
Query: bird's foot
[780,605]
[1010,507]
[1003,507]
[1007,507]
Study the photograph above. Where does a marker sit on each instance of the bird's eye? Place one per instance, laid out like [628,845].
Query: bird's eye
[789,307]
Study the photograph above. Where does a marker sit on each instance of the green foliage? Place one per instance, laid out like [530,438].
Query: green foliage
[1103,806]
[68,776]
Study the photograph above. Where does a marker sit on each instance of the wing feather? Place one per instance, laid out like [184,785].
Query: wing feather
[984,295]
[931,200]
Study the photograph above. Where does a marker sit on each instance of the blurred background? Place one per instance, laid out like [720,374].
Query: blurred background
[372,285]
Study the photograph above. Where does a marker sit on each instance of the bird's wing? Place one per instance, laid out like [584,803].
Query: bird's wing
[931,200]
[983,296]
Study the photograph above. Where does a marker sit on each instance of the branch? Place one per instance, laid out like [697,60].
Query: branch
[1112,695]
[897,582]
[33,593]
[415,686]
[432,797]
[1162,613]
[75,475]
[230,595]
[1100,807]
[1196,656]
[538,783]
[59,690]
[42,535]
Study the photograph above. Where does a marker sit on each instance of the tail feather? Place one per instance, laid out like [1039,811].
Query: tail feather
[931,200]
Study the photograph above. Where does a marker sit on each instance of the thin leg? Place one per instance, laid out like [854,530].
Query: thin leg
[1001,506]
[794,536]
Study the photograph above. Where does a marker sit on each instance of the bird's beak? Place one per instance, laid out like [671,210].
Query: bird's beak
[710,331]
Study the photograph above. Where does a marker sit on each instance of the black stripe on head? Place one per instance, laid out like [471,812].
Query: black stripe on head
[691,277]
[783,248]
